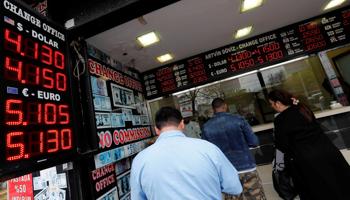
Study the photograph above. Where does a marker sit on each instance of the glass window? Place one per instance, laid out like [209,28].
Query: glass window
[247,95]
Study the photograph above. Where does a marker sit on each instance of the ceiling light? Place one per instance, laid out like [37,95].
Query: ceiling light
[243,32]
[165,57]
[333,3]
[148,39]
[250,4]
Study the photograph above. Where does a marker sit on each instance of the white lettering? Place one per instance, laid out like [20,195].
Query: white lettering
[48,96]
[7,5]
[267,38]
[43,38]
[228,50]
[248,44]
[18,11]
[212,55]
[40,94]
[53,32]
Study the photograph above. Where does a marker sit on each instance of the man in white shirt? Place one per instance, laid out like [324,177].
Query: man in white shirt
[192,128]
[176,167]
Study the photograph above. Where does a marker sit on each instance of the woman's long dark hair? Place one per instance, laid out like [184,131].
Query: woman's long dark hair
[285,98]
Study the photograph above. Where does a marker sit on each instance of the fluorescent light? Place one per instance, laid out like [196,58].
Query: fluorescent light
[333,3]
[243,32]
[148,39]
[250,4]
[165,57]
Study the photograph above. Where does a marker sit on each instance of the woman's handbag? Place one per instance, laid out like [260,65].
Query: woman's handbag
[282,180]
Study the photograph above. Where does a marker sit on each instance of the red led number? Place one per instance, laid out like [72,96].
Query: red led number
[165,77]
[66,139]
[13,69]
[36,147]
[48,78]
[50,113]
[168,88]
[46,55]
[196,62]
[168,82]
[15,141]
[13,42]
[38,142]
[31,49]
[14,113]
[34,113]
[52,142]
[34,75]
[316,45]
[59,60]
[164,71]
[63,114]
[270,56]
[199,79]
[242,64]
[61,82]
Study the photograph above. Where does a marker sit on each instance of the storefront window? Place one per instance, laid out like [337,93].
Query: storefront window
[247,95]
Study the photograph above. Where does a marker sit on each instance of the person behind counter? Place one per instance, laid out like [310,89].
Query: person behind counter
[191,128]
[233,135]
[318,168]
[177,167]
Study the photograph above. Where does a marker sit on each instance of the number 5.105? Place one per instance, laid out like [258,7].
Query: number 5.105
[35,113]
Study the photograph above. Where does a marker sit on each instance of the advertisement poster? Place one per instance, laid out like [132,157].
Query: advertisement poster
[47,184]
[21,188]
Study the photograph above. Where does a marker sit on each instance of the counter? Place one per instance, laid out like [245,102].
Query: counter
[318,114]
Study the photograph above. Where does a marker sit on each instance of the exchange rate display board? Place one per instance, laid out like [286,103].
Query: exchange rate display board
[305,37]
[36,108]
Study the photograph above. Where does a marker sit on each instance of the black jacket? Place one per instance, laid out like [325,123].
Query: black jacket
[318,167]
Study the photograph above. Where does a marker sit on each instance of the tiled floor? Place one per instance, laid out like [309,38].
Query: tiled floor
[266,177]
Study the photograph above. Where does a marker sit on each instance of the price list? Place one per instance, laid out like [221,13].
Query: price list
[169,78]
[196,70]
[36,115]
[306,37]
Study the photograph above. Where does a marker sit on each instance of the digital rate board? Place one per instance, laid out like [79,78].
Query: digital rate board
[306,37]
[36,109]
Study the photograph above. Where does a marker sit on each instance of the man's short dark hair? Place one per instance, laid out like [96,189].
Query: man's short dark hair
[217,103]
[167,116]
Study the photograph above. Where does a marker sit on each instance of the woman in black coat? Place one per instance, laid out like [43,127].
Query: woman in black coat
[318,168]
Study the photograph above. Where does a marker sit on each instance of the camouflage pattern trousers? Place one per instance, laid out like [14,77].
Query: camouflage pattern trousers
[252,187]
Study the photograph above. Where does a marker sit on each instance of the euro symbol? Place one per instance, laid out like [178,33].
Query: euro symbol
[25,92]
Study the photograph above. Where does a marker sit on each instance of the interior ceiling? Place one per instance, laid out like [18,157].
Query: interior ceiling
[191,27]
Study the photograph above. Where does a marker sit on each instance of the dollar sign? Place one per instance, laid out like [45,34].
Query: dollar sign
[19,26]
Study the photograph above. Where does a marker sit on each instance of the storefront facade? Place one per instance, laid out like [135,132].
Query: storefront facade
[309,59]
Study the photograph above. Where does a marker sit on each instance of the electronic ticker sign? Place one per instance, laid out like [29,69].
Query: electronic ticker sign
[36,108]
[306,37]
